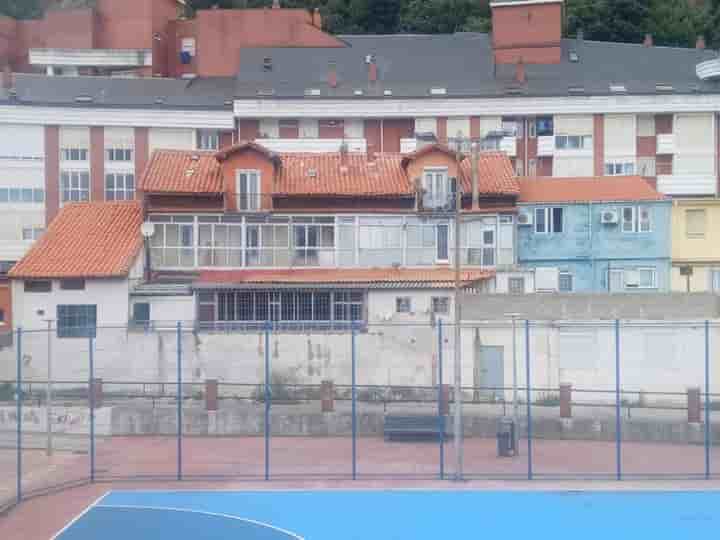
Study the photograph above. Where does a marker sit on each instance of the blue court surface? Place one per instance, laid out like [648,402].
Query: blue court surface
[395,515]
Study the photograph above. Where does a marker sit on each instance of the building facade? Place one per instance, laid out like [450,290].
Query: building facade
[595,235]
[695,249]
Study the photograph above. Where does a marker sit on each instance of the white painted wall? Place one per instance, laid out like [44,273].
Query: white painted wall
[620,140]
[426,125]
[694,144]
[25,142]
[458,127]
[166,138]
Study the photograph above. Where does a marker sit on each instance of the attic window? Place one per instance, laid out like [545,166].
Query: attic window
[312,91]
[358,92]
[312,173]
[438,91]
[265,92]
[573,56]
[618,89]
[387,92]
[664,87]
[576,90]
[267,64]
[84,99]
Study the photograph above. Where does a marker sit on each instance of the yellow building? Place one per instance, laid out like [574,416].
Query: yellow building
[695,245]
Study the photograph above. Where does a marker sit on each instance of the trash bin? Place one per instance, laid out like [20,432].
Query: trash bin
[506,438]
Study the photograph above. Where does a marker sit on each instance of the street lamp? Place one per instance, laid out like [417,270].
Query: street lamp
[514,317]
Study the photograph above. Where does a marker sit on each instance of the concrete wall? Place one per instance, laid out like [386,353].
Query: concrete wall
[587,248]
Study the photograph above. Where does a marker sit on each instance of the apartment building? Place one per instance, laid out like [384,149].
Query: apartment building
[695,245]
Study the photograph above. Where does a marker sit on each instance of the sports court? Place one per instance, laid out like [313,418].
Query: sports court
[395,514]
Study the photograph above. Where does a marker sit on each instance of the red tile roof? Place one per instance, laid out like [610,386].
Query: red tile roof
[86,240]
[378,277]
[495,174]
[182,171]
[225,153]
[337,174]
[429,149]
[590,189]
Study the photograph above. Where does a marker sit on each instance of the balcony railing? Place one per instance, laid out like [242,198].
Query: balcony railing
[314,145]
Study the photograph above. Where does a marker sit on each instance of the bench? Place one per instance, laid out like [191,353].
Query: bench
[415,427]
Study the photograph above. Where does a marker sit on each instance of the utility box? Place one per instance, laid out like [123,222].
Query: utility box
[506,438]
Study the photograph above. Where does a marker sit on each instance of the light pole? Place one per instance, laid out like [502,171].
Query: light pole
[457,429]
[514,318]
[49,396]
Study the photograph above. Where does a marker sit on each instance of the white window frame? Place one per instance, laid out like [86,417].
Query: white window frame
[549,220]
[637,225]
[438,226]
[75,154]
[619,168]
[714,274]
[567,275]
[639,270]
[70,189]
[516,280]
[439,301]
[118,178]
[121,154]
[248,196]
[695,234]
[584,142]
[436,187]
[215,250]
[254,255]
[188,45]
[208,139]
[32,233]
[403,304]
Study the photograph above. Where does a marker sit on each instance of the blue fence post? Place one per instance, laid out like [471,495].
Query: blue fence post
[529,399]
[354,402]
[91,393]
[268,397]
[441,412]
[179,403]
[18,397]
[707,401]
[618,420]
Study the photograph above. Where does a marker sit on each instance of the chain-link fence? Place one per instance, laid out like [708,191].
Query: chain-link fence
[601,399]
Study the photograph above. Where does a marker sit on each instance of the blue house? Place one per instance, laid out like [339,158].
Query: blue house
[606,234]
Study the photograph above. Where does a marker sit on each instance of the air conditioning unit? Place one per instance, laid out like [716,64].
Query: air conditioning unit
[632,279]
[609,217]
[525,218]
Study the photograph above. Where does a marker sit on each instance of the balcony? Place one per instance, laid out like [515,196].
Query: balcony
[665,143]
[313,145]
[111,58]
[546,145]
[509,146]
[686,184]
[708,70]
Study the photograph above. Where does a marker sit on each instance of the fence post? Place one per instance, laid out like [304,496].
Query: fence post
[442,407]
[91,393]
[354,402]
[268,327]
[618,421]
[707,401]
[529,399]
[18,397]
[179,402]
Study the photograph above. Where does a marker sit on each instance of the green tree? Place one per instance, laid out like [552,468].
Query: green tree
[21,9]
[609,20]
[441,16]
[675,23]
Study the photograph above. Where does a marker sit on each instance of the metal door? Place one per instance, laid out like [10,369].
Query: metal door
[489,371]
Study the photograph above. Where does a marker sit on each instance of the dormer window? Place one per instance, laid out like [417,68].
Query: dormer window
[438,188]
[248,190]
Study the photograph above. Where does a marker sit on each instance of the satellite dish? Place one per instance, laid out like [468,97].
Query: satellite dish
[147,229]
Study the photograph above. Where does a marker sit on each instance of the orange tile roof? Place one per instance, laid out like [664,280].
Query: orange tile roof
[417,277]
[225,153]
[335,174]
[86,240]
[495,174]
[182,171]
[589,189]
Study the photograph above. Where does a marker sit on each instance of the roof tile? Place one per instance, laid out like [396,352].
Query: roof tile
[86,240]
[590,189]
[182,171]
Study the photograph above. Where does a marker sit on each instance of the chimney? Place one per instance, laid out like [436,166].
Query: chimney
[475,176]
[520,72]
[372,71]
[332,75]
[700,43]
[276,4]
[648,40]
[317,18]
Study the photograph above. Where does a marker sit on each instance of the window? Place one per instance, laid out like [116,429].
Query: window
[519,167]
[187,45]
[443,232]
[532,129]
[440,305]
[32,233]
[74,154]
[477,241]
[119,187]
[616,280]
[248,190]
[208,139]
[74,321]
[715,280]
[646,166]
[172,244]
[641,278]
[38,195]
[565,282]
[619,168]
[543,126]
[516,285]
[436,188]
[532,167]
[313,241]
[37,286]
[141,313]
[118,154]
[74,186]
[636,219]
[2,315]
[268,244]
[72,284]
[219,244]
[403,304]
[548,220]
[695,223]
[573,142]
[380,241]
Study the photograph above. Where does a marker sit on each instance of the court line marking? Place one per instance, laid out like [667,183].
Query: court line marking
[80,515]
[203,512]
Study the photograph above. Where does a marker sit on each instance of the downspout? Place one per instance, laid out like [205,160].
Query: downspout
[525,133]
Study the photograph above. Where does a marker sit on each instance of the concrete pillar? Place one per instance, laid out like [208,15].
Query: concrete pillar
[693,405]
[445,399]
[327,395]
[565,400]
[211,395]
[97,392]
